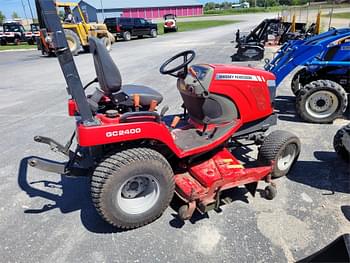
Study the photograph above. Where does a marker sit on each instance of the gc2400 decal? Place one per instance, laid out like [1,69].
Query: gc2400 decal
[226,76]
[123,132]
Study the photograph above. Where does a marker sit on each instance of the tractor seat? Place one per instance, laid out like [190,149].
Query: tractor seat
[110,79]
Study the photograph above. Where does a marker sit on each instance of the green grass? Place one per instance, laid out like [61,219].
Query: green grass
[195,25]
[238,11]
[341,15]
[15,47]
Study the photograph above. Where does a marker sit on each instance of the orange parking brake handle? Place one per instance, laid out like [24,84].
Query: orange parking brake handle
[137,101]
[193,73]
[175,122]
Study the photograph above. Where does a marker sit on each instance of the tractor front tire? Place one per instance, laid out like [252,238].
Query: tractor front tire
[321,101]
[282,148]
[341,142]
[73,41]
[132,188]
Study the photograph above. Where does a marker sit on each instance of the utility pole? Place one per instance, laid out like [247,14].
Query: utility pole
[24,10]
[31,11]
[103,12]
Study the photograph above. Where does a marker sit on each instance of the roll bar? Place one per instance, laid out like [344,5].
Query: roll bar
[49,20]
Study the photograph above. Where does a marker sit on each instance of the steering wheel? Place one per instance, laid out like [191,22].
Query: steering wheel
[188,57]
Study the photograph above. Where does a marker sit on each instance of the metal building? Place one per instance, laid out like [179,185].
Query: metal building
[99,9]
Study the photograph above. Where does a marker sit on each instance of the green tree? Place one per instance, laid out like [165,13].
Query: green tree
[271,2]
[226,5]
[209,6]
[2,18]
[14,15]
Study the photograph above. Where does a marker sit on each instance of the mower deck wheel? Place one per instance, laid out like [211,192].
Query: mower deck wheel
[321,101]
[270,192]
[341,142]
[132,188]
[282,148]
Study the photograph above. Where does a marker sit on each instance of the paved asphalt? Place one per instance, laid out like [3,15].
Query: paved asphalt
[48,218]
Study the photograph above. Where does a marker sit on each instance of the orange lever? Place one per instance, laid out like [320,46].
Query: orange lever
[136,100]
[153,105]
[175,122]
[193,73]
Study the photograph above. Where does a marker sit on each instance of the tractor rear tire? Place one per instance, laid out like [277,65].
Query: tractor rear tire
[321,101]
[73,41]
[282,148]
[341,142]
[132,188]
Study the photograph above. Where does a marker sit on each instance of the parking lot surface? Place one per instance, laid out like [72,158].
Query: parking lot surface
[49,218]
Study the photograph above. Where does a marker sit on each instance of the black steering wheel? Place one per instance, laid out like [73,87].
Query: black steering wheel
[188,57]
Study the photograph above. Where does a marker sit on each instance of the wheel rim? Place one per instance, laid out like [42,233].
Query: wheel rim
[107,43]
[322,104]
[71,44]
[286,158]
[138,194]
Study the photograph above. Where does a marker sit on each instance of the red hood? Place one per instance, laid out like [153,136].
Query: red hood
[232,69]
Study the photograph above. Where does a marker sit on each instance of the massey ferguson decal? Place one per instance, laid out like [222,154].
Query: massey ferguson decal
[123,132]
[225,76]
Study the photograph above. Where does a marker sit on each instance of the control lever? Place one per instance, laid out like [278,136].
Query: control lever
[137,102]
[205,93]
[164,110]
[175,122]
[153,105]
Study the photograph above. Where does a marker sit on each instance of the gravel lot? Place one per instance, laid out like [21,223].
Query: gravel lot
[48,218]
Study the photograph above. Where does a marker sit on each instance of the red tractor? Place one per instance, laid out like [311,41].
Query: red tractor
[139,158]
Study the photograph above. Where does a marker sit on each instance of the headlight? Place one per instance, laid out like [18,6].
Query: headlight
[271,84]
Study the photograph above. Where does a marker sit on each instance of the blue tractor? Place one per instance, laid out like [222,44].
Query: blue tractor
[320,74]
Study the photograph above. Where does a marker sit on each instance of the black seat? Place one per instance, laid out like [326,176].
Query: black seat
[110,80]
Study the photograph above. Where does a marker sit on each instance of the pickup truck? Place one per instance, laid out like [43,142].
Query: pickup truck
[126,28]
[33,34]
[13,33]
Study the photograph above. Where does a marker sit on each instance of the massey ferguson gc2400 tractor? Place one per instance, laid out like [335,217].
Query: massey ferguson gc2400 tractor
[138,158]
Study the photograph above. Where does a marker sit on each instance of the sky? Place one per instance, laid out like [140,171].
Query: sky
[8,6]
